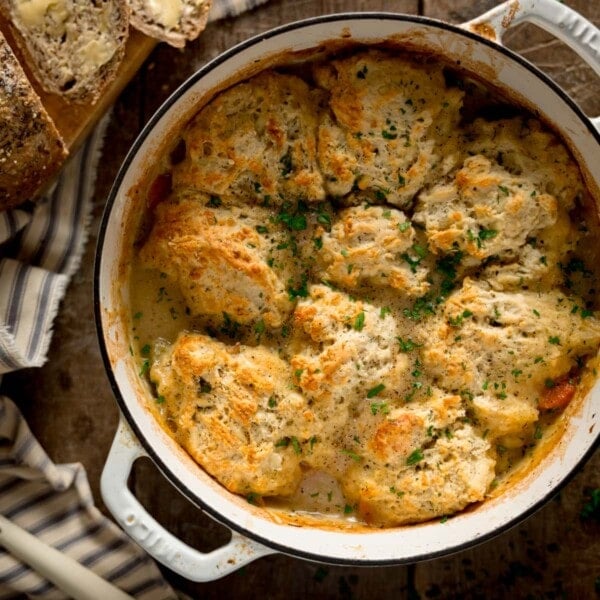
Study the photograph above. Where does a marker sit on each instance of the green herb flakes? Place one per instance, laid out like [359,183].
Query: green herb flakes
[359,321]
[145,367]
[415,457]
[375,391]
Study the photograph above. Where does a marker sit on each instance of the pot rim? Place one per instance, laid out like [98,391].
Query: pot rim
[147,130]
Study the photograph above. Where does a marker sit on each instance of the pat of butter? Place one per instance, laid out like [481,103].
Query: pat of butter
[97,52]
[32,12]
[166,12]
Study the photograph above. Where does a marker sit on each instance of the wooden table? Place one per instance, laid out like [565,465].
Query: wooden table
[71,409]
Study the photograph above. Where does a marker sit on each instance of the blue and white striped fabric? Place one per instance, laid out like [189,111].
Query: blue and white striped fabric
[40,249]
[222,9]
[55,503]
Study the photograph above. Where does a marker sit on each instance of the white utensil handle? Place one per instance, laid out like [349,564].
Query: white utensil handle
[153,537]
[566,24]
[66,573]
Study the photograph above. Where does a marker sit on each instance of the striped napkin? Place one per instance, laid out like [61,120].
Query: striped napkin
[40,249]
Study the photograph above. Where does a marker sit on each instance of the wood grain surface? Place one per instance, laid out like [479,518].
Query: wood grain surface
[70,406]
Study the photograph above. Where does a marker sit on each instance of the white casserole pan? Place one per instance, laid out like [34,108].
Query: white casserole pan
[254,533]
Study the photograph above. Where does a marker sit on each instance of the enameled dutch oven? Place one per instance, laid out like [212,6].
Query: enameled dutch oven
[477,45]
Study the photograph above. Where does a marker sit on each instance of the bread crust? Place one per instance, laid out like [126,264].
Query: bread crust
[31,148]
[192,21]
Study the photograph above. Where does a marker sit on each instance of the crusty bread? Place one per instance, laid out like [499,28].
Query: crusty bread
[73,47]
[172,21]
[31,149]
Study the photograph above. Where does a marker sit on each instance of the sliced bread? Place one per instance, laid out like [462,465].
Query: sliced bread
[73,47]
[173,21]
[31,149]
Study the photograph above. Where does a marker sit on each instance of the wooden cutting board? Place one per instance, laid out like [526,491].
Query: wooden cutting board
[75,121]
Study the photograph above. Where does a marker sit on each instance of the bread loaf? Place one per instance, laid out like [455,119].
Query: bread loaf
[73,47]
[172,21]
[31,149]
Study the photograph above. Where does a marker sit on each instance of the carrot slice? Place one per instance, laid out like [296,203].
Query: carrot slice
[559,395]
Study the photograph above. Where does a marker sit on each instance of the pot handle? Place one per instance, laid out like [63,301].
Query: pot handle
[153,537]
[566,24]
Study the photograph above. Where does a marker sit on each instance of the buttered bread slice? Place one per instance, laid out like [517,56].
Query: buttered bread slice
[172,21]
[73,47]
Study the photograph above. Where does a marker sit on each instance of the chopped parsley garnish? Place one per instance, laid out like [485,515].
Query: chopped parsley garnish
[407,345]
[420,251]
[214,202]
[415,457]
[381,407]
[504,190]
[447,265]
[253,498]
[272,402]
[549,383]
[348,509]
[554,339]
[296,445]
[300,291]
[388,135]
[401,180]
[380,195]
[262,229]
[385,310]
[404,226]
[294,222]
[423,306]
[359,321]
[355,457]
[458,320]
[138,315]
[230,328]
[318,243]
[259,328]
[375,391]
[160,399]
[145,351]
[324,219]
[486,234]
[284,442]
